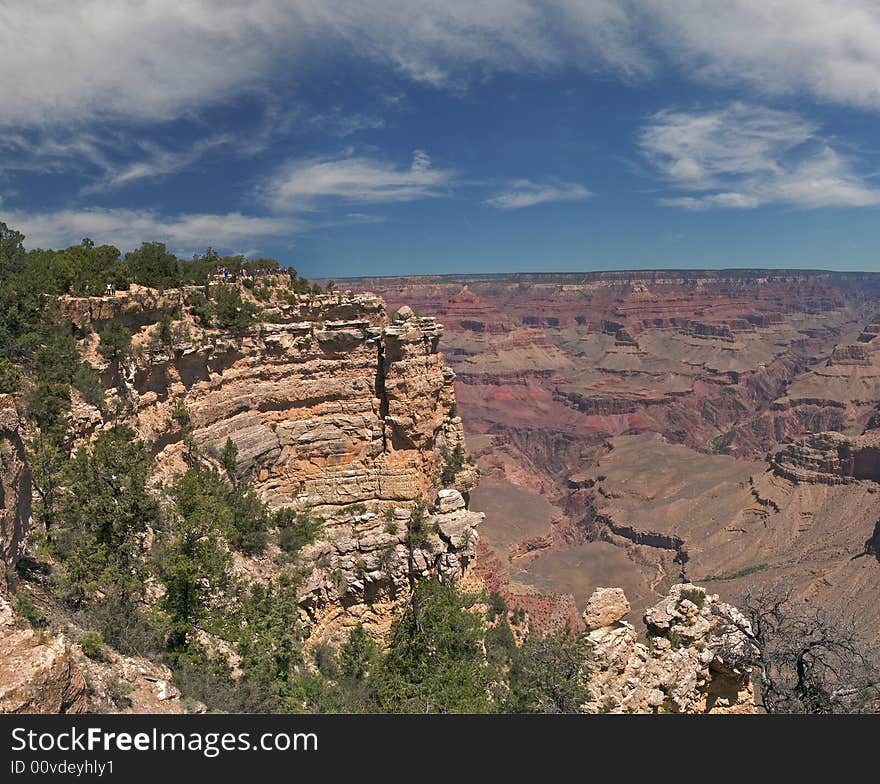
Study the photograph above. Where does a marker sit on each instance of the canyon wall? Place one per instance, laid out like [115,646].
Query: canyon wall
[335,409]
[714,425]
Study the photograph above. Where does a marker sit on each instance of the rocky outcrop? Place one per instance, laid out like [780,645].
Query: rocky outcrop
[605,607]
[690,664]
[326,413]
[870,332]
[15,484]
[38,672]
[830,458]
[365,565]
[853,354]
[718,331]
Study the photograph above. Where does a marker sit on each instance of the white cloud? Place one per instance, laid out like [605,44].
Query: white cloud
[525,193]
[739,201]
[127,229]
[744,156]
[827,48]
[340,124]
[152,60]
[354,179]
[51,152]
[83,60]
[157,162]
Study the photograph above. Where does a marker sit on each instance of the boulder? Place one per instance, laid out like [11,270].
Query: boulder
[605,607]
[449,500]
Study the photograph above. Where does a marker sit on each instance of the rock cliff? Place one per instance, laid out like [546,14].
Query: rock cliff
[38,673]
[336,408]
[830,458]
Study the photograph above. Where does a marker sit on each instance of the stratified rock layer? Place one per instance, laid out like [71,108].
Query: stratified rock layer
[830,458]
[335,409]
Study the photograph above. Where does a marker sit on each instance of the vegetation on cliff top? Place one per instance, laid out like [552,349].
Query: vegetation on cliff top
[39,357]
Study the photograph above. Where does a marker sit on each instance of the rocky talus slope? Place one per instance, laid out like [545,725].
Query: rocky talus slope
[38,673]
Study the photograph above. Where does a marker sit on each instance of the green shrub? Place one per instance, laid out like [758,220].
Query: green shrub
[92,644]
[233,313]
[295,531]
[249,521]
[201,307]
[451,464]
[418,529]
[695,595]
[115,342]
[497,605]
[87,382]
[24,604]
[10,377]
[118,691]
[179,414]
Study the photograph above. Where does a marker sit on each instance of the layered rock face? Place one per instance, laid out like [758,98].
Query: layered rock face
[830,458]
[647,408]
[690,664]
[336,409]
[325,412]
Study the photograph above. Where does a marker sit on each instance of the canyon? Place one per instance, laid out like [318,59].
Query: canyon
[652,432]
[640,428]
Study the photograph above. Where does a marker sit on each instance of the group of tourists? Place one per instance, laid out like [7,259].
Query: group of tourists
[224,273]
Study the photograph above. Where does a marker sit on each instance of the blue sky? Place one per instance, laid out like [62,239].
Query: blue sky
[387,137]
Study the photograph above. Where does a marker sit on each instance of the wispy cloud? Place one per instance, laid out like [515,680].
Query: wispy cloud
[157,162]
[163,59]
[109,159]
[300,185]
[48,151]
[743,156]
[339,123]
[525,193]
[127,229]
